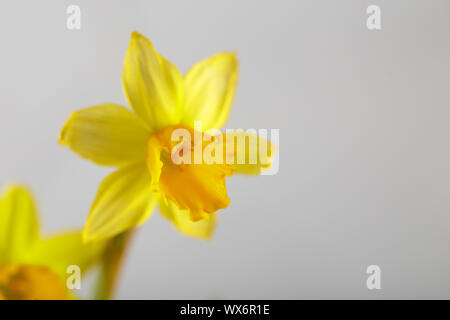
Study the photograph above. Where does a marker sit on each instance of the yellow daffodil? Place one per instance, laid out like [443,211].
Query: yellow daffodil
[139,143]
[32,267]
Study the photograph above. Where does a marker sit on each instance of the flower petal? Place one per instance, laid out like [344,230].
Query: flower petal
[107,134]
[152,85]
[19,228]
[202,229]
[249,153]
[66,249]
[209,90]
[198,188]
[124,200]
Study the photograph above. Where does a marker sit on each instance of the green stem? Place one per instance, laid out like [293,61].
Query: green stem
[111,265]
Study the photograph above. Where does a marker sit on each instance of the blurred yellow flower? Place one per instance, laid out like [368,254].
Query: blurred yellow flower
[32,267]
[139,143]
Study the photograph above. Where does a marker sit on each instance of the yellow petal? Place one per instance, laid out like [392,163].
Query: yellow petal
[18,223]
[66,249]
[124,200]
[199,188]
[152,85]
[209,90]
[203,229]
[107,134]
[249,153]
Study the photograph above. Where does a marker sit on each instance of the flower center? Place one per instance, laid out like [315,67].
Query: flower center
[179,172]
[30,282]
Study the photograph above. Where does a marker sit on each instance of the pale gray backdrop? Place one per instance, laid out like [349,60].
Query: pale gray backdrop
[364,140]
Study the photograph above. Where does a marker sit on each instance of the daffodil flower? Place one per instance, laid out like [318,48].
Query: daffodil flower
[33,267]
[138,143]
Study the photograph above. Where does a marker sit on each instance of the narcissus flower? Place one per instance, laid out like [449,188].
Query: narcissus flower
[33,267]
[139,143]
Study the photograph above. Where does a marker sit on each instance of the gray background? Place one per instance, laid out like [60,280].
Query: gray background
[364,156]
